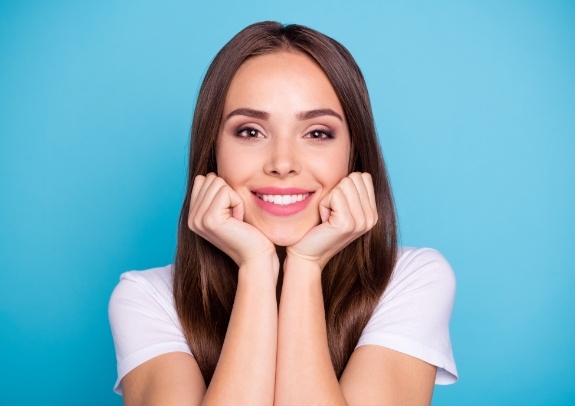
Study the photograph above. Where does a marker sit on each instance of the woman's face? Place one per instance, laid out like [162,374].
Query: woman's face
[283,143]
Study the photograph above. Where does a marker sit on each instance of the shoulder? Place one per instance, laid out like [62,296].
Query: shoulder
[421,287]
[160,278]
[143,318]
[421,268]
[147,291]
[156,282]
[414,312]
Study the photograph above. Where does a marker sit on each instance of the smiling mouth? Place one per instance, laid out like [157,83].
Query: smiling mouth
[282,200]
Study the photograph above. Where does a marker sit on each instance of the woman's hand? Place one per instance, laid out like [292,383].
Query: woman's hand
[346,212]
[217,213]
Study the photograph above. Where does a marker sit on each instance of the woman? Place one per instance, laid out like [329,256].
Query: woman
[287,287]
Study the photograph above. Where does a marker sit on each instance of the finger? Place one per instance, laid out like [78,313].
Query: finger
[339,211]
[197,204]
[236,203]
[201,183]
[232,205]
[361,183]
[352,195]
[209,178]
[219,207]
[198,182]
[196,188]
[206,198]
[368,181]
[325,207]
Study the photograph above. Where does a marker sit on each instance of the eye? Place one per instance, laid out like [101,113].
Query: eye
[319,135]
[248,132]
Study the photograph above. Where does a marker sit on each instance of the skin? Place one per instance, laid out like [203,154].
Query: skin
[282,150]
[273,356]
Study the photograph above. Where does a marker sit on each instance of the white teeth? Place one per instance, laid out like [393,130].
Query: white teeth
[282,200]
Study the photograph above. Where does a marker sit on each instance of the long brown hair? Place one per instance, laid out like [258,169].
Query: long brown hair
[205,279]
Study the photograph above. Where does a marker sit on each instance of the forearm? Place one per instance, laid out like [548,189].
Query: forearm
[245,371]
[304,372]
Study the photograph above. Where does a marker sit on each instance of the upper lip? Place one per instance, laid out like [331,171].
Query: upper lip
[273,190]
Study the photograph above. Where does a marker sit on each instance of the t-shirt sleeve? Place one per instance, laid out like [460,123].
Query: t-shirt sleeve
[143,320]
[413,314]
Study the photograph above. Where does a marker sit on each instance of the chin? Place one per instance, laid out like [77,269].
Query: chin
[283,237]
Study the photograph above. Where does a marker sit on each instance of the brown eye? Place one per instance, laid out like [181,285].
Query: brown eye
[248,133]
[319,135]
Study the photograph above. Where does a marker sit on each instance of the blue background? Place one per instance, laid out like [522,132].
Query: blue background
[475,107]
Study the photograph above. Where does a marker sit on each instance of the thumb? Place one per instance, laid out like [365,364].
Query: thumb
[325,208]
[236,205]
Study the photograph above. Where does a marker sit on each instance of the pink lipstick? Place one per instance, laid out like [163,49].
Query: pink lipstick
[282,201]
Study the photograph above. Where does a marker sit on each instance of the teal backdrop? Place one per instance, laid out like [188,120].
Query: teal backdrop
[475,108]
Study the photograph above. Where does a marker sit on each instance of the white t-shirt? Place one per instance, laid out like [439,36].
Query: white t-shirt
[411,317]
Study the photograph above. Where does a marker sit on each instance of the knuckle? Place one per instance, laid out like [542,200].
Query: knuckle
[193,224]
[198,178]
[361,224]
[348,226]
[222,186]
[208,222]
[370,223]
[191,216]
[198,223]
[219,183]
[346,182]
[355,175]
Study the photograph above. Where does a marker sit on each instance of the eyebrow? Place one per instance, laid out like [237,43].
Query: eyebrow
[306,115]
[262,115]
[302,115]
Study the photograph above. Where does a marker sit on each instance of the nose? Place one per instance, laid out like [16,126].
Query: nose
[282,160]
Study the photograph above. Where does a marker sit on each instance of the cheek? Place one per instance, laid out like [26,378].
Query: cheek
[338,160]
[332,169]
[229,164]
[237,171]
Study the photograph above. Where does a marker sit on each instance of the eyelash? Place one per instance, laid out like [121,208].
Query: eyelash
[326,135]
[244,131]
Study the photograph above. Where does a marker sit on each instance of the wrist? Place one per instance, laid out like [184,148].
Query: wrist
[261,267]
[306,268]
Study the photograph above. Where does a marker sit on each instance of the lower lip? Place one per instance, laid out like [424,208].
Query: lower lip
[279,210]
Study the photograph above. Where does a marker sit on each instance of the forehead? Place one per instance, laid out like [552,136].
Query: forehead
[281,78]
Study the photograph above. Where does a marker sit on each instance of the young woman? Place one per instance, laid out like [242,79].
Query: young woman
[288,286]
